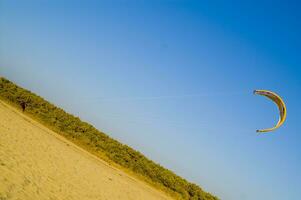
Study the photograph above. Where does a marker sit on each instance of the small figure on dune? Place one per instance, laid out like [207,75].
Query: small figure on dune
[23,105]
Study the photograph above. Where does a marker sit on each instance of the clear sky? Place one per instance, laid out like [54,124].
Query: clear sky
[172,79]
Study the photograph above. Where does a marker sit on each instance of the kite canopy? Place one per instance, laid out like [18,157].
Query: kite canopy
[281,106]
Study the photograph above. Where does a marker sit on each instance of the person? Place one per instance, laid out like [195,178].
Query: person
[23,105]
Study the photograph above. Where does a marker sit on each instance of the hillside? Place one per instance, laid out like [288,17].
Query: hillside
[36,163]
[97,143]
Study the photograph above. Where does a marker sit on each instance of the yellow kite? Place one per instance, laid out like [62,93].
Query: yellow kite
[281,106]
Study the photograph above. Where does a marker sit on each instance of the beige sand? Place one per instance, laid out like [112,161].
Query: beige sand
[38,164]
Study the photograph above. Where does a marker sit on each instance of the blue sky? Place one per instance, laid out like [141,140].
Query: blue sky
[174,80]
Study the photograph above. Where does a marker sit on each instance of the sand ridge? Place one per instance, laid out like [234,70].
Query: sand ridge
[37,163]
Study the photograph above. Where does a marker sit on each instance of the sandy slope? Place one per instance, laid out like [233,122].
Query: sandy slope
[36,163]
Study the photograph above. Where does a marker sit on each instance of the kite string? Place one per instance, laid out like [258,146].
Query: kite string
[155,120]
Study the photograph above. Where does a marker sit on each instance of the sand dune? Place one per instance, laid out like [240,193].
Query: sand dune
[36,163]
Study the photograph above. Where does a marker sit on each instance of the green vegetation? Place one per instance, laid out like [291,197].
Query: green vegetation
[99,143]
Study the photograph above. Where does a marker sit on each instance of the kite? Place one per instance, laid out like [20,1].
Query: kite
[281,106]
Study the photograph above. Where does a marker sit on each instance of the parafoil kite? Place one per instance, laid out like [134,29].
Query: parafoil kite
[281,106]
